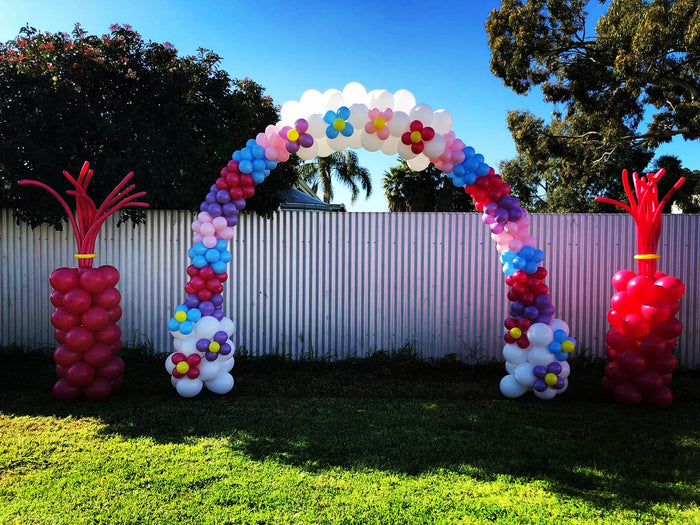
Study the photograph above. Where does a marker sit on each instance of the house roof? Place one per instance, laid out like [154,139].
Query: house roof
[302,198]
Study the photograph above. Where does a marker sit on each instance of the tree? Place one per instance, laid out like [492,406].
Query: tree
[643,61]
[427,190]
[124,105]
[341,165]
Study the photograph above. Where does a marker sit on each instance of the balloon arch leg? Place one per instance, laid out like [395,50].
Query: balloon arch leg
[536,345]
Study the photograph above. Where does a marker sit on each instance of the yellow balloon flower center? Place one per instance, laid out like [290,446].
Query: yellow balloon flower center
[339,124]
[416,137]
[550,379]
[183,367]
[293,135]
[181,316]
[214,347]
[379,123]
[516,332]
[567,346]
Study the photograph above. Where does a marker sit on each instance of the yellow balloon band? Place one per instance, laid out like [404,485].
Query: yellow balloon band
[646,256]
[85,255]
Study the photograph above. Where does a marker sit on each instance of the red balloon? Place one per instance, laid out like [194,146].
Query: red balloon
[95,318]
[614,372]
[621,278]
[99,389]
[59,335]
[109,334]
[648,381]
[622,302]
[660,398]
[63,279]
[627,394]
[64,357]
[611,353]
[112,370]
[61,371]
[641,288]
[115,314]
[206,272]
[652,346]
[656,312]
[79,339]
[98,355]
[631,363]
[665,364]
[671,328]
[77,300]
[63,319]
[107,298]
[615,318]
[92,280]
[675,306]
[110,274]
[64,391]
[116,347]
[80,374]
[618,340]
[56,298]
[670,344]
[672,284]
[635,326]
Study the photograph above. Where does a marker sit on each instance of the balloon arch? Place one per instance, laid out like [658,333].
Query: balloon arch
[536,345]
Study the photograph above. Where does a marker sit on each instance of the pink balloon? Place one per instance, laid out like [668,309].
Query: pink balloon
[63,279]
[92,279]
[77,300]
[79,338]
[209,241]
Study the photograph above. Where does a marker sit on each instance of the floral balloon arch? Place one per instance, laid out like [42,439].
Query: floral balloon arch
[536,344]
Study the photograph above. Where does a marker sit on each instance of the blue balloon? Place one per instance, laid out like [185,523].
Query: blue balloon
[329,117]
[530,267]
[258,152]
[258,177]
[212,255]
[470,178]
[219,266]
[527,252]
[245,166]
[194,315]
[221,245]
[246,154]
[458,181]
[343,112]
[482,170]
[186,327]
[199,261]
[199,248]
[236,155]
[173,324]
[468,152]
[459,170]
[250,144]
[508,256]
[225,256]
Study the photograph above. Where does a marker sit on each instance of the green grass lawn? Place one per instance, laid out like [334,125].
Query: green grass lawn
[356,442]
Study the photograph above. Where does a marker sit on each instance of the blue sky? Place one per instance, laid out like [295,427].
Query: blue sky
[436,50]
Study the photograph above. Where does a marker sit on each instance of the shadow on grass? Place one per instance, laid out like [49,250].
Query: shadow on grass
[409,420]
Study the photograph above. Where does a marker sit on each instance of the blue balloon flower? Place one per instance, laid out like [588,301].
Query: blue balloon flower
[337,123]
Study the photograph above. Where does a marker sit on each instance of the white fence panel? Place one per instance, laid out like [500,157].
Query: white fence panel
[343,284]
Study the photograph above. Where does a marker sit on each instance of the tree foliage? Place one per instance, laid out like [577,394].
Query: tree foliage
[618,94]
[123,104]
[344,167]
[427,190]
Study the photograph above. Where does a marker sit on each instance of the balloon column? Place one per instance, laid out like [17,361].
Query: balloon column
[86,300]
[644,307]
[537,346]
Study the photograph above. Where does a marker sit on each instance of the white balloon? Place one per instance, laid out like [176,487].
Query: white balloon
[206,327]
[338,144]
[221,384]
[173,381]
[422,112]
[405,151]
[290,112]
[514,354]
[540,356]
[510,367]
[208,370]
[419,162]
[169,365]
[355,140]
[177,344]
[558,324]
[370,141]
[332,100]
[317,126]
[391,146]
[177,334]
[523,374]
[187,387]
[308,153]
[434,148]
[227,325]
[511,388]
[324,149]
[380,99]
[442,121]
[547,394]
[399,123]
[311,101]
[404,100]
[227,365]
[565,369]
[539,334]
[189,344]
[358,116]
[355,93]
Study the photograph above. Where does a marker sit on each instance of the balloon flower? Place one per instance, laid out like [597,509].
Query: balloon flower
[86,300]
[644,307]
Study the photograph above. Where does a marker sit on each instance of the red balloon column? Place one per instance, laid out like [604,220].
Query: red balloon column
[86,300]
[643,309]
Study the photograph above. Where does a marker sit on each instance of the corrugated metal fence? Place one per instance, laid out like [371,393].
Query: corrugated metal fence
[343,284]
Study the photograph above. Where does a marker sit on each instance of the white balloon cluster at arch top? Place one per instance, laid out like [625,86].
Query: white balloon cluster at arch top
[536,345]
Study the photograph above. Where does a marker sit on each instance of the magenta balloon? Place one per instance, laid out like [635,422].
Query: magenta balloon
[110,274]
[64,391]
[92,280]
[112,370]
[63,279]
[80,374]
[63,319]
[77,300]
[107,298]
[99,389]
[79,339]
[95,318]
[98,355]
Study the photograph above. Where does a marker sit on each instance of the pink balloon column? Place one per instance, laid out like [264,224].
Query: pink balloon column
[86,300]
[643,309]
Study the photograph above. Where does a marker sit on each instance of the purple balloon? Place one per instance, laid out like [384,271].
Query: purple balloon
[496,228]
[502,216]
[192,301]
[488,219]
[539,372]
[239,203]
[232,221]
[229,209]
[217,299]
[206,308]
[505,202]
[218,315]
[211,356]
[531,312]
[554,368]
[220,337]
[306,140]
[210,198]
[541,301]
[222,197]
[214,209]
[540,385]
[204,206]
[225,349]
[203,345]
[543,318]
[517,308]
[490,208]
[516,213]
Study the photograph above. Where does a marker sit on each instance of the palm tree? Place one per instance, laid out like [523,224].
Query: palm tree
[344,166]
